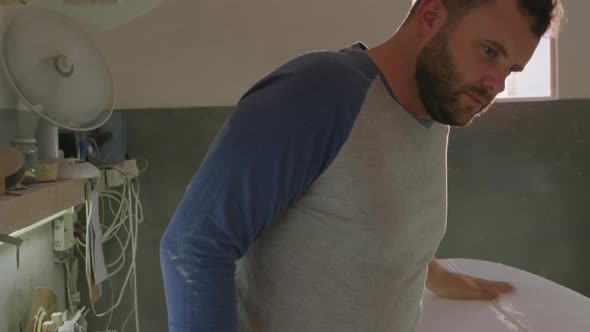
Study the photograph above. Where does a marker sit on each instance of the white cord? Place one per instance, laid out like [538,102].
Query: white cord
[134,247]
[133,310]
[127,211]
[112,296]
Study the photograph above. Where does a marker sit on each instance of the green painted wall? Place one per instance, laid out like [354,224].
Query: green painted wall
[517,188]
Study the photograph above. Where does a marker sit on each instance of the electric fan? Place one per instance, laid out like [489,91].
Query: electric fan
[59,77]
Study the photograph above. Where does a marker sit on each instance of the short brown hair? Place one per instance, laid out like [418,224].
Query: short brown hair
[548,14]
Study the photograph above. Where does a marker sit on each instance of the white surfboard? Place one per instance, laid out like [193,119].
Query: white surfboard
[538,305]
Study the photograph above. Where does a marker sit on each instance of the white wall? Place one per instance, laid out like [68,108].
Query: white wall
[207,53]
[574,52]
[204,53]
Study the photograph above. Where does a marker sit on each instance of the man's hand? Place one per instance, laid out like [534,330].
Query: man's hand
[458,286]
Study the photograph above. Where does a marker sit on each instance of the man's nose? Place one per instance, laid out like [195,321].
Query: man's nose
[494,82]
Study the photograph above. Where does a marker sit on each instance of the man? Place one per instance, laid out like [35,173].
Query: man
[327,184]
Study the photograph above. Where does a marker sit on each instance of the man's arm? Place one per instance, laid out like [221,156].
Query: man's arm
[282,135]
[458,286]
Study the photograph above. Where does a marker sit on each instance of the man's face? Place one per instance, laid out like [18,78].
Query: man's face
[462,69]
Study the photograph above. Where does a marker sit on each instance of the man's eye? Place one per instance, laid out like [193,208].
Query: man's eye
[490,52]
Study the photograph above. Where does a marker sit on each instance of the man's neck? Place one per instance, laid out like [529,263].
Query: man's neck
[396,59]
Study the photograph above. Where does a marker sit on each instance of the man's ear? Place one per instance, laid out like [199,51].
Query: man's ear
[431,17]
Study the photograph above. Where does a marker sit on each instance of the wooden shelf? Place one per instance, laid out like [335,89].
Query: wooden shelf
[38,202]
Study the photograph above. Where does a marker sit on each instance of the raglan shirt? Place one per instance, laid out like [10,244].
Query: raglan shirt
[317,208]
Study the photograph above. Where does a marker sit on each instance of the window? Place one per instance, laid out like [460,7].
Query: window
[538,79]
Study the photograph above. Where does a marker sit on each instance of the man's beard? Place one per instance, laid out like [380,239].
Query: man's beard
[439,86]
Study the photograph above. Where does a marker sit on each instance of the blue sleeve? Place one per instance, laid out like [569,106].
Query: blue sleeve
[282,135]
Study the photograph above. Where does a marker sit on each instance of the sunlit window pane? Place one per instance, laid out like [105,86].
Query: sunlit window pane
[535,80]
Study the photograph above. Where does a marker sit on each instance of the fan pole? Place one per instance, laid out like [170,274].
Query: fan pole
[47,140]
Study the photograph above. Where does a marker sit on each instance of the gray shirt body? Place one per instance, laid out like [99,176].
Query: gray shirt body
[351,254]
